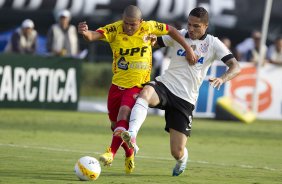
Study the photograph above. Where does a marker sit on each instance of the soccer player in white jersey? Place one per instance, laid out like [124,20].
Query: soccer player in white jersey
[176,91]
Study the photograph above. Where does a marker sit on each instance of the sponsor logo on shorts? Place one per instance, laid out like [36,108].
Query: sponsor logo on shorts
[190,122]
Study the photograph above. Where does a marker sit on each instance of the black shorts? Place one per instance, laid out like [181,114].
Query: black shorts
[178,112]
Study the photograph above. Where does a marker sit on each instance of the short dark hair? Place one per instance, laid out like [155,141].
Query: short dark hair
[132,12]
[201,13]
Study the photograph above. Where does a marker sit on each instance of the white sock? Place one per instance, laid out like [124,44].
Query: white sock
[137,116]
[184,159]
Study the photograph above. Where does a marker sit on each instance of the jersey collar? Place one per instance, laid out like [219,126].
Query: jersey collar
[202,38]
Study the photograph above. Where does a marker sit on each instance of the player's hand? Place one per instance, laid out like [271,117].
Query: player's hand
[216,82]
[191,57]
[152,38]
[82,28]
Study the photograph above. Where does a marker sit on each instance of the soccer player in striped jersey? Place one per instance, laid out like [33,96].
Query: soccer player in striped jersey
[130,41]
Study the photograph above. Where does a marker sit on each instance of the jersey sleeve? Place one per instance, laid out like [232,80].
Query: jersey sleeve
[221,51]
[168,41]
[158,28]
[109,31]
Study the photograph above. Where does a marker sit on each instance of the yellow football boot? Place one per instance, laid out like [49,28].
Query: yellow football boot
[107,158]
[129,164]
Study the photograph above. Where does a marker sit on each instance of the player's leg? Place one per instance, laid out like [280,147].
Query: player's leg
[178,151]
[127,102]
[121,125]
[178,116]
[151,95]
[113,104]
[108,156]
[123,145]
[148,97]
[139,112]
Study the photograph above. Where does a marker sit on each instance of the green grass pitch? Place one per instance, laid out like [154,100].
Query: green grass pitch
[42,147]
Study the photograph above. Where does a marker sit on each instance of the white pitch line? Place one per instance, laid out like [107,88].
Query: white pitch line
[146,157]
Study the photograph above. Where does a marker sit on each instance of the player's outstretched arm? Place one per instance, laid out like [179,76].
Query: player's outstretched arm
[190,55]
[88,35]
[233,71]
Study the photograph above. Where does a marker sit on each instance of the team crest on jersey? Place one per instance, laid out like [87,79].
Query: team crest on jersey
[204,47]
[122,64]
[124,38]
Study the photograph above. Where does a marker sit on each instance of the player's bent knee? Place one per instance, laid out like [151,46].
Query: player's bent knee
[177,153]
[146,92]
[124,113]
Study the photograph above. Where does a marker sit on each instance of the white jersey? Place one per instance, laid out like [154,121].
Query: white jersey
[184,80]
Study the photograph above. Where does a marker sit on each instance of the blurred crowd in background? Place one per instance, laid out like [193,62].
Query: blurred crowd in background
[62,40]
